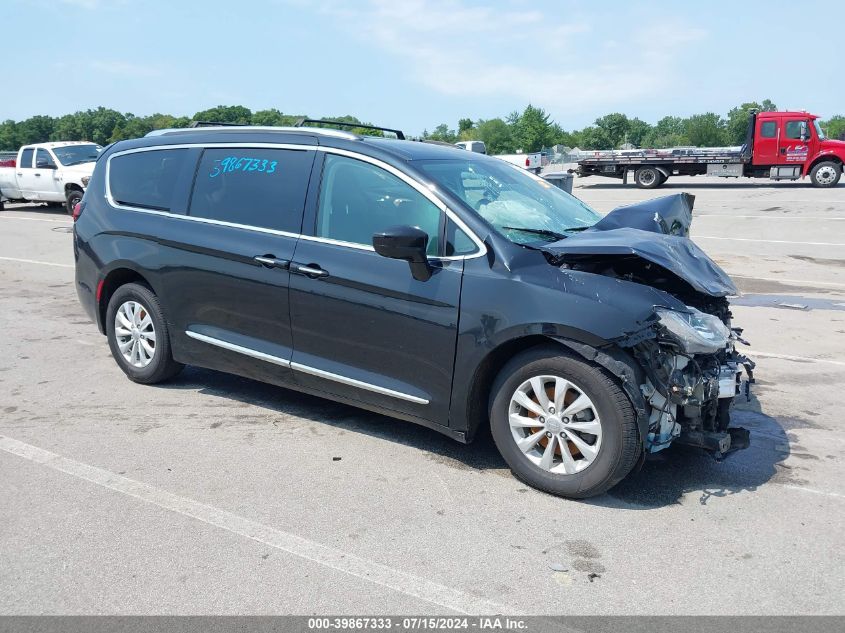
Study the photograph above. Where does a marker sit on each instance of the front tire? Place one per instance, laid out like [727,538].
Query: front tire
[648,178]
[826,174]
[563,425]
[138,335]
[74,196]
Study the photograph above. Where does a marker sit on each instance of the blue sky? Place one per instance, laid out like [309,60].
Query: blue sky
[415,63]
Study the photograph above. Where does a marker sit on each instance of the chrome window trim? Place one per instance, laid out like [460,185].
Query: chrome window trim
[306,369]
[426,191]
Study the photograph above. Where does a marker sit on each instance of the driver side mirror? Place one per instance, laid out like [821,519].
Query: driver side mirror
[805,133]
[408,243]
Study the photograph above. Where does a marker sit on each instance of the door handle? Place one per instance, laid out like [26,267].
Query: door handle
[38,175]
[311,270]
[271,262]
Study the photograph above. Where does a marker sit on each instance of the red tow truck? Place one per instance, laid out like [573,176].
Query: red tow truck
[778,146]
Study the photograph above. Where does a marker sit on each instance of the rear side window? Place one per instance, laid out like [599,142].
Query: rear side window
[148,180]
[26,158]
[252,186]
[768,129]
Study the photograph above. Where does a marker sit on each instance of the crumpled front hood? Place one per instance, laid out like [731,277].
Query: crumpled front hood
[671,215]
[654,231]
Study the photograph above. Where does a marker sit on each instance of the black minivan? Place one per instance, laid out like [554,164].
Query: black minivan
[424,282]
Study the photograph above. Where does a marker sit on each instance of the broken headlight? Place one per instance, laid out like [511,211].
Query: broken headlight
[697,332]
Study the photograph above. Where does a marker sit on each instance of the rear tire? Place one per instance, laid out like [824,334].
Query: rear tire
[826,174]
[601,440]
[74,196]
[138,336]
[648,178]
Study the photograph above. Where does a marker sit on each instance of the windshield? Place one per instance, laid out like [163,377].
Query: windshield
[77,154]
[523,208]
[818,127]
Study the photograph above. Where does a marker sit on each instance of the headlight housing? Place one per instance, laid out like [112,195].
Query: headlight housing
[85,180]
[697,332]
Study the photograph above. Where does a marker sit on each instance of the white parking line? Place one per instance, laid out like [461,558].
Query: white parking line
[702,200]
[804,282]
[748,239]
[330,557]
[20,217]
[814,491]
[765,217]
[800,359]
[35,261]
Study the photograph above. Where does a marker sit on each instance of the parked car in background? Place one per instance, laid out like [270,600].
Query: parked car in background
[532,162]
[418,280]
[55,173]
[473,146]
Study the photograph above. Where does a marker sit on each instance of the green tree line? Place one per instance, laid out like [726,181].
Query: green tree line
[105,126]
[528,131]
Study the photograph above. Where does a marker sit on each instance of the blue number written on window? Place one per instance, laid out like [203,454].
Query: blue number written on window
[243,164]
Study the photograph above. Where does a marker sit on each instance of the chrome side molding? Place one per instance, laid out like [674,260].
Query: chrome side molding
[305,369]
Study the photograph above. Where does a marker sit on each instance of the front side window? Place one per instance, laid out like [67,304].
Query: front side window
[793,129]
[43,160]
[148,180]
[358,199]
[819,131]
[257,187]
[768,129]
[521,207]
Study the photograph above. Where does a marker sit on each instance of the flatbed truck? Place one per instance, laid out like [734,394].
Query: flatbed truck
[778,146]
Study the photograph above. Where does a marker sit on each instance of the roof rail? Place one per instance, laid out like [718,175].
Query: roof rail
[256,128]
[302,123]
[214,124]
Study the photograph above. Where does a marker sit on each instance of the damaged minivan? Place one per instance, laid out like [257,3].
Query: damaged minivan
[423,282]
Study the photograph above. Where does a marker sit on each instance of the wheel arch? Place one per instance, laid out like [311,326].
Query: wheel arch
[824,158]
[73,186]
[625,370]
[118,276]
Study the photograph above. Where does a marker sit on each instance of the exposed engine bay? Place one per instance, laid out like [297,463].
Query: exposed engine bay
[690,391]
[692,369]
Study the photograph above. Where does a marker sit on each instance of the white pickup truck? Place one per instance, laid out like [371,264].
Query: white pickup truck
[55,173]
[532,162]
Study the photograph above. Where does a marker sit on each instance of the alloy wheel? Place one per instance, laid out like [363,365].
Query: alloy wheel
[555,424]
[135,334]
